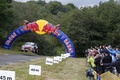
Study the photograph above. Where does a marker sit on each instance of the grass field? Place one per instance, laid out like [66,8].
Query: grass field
[68,69]
[6,51]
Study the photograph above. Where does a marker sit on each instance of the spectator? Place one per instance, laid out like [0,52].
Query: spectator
[104,50]
[98,68]
[114,52]
[115,64]
[94,52]
[107,59]
[86,52]
[91,60]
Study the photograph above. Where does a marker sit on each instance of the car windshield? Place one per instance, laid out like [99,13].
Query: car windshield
[29,43]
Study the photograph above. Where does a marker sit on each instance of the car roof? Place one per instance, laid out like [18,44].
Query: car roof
[29,43]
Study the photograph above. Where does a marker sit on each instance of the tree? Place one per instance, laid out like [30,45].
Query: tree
[6,18]
[54,7]
[41,2]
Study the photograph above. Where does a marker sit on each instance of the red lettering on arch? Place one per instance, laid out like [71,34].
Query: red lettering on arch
[68,45]
[10,38]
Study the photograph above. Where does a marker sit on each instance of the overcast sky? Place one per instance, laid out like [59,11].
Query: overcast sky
[77,3]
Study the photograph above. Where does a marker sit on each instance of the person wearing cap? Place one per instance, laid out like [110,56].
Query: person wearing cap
[116,64]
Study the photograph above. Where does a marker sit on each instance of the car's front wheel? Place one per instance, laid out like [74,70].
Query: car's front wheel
[25,51]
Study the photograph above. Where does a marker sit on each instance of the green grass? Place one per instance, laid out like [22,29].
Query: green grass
[6,51]
[68,69]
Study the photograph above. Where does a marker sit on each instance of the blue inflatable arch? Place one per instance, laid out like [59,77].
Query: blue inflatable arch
[63,38]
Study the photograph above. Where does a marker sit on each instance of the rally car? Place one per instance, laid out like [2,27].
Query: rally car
[30,46]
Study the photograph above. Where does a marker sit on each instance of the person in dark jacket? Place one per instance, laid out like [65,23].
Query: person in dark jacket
[104,50]
[107,59]
[98,68]
[115,64]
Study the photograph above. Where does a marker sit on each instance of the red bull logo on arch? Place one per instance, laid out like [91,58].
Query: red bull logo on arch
[41,27]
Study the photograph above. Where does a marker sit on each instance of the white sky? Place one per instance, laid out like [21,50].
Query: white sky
[77,3]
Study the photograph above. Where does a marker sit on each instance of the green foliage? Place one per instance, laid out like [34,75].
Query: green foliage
[93,26]
[87,26]
[41,2]
[6,18]
[54,7]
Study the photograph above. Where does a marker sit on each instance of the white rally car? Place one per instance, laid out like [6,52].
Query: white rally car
[30,46]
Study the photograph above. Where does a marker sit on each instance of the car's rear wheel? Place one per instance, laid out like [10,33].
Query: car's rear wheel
[36,51]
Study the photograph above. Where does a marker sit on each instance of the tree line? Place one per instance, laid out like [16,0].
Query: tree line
[85,26]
